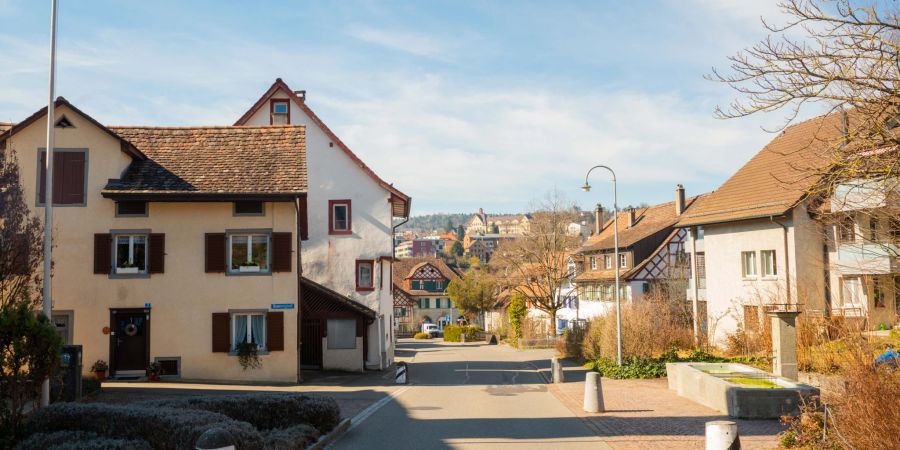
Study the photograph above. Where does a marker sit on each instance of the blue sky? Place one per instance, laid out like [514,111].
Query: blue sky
[460,104]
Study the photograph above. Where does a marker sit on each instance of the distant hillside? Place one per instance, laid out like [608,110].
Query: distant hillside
[430,222]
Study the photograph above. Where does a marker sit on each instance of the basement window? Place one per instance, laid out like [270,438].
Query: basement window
[249,208]
[131,209]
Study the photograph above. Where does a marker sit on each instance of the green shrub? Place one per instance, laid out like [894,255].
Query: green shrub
[454,333]
[422,335]
[80,440]
[265,411]
[165,428]
[639,368]
[297,437]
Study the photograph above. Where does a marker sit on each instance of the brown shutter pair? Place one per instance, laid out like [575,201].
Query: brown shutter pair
[221,332]
[156,252]
[282,252]
[68,177]
[304,220]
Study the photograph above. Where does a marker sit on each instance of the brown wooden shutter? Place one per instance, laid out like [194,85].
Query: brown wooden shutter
[72,178]
[303,220]
[215,252]
[275,331]
[102,253]
[221,332]
[281,252]
[157,253]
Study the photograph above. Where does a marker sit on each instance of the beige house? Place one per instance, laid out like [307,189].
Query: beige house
[177,244]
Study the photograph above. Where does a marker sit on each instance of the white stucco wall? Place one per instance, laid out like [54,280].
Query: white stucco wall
[330,259]
[184,297]
[350,359]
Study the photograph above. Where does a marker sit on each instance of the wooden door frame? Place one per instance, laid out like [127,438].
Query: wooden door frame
[113,337]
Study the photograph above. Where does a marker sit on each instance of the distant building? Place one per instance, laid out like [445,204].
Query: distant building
[482,246]
[420,294]
[482,223]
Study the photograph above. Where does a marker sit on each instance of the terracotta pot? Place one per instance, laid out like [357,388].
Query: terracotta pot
[100,374]
[153,376]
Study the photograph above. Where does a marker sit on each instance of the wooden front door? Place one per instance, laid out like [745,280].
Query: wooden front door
[311,346]
[129,339]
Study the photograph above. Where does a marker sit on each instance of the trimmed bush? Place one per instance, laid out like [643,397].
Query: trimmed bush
[265,411]
[421,335]
[297,437]
[166,428]
[79,440]
[454,333]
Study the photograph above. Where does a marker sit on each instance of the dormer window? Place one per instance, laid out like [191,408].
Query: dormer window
[280,112]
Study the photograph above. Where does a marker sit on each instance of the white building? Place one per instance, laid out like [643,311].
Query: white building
[351,213]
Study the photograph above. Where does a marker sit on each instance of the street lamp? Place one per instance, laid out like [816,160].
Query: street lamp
[587,188]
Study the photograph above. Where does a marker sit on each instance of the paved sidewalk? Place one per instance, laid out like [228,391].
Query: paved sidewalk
[645,414]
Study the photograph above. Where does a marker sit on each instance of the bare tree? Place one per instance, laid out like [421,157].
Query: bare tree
[21,237]
[535,265]
[846,56]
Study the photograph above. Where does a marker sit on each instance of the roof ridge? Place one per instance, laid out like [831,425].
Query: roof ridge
[207,127]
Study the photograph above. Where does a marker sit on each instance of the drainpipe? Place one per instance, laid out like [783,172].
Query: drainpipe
[787,266]
[695,305]
[299,286]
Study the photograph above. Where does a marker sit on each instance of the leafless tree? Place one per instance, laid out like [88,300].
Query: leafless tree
[21,238]
[535,265]
[844,55]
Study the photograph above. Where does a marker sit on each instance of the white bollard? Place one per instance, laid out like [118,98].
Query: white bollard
[402,374]
[593,393]
[722,435]
[556,370]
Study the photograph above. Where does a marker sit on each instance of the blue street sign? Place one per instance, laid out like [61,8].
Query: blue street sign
[146,306]
[282,306]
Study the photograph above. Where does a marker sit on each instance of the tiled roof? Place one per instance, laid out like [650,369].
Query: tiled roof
[648,221]
[774,180]
[401,208]
[5,126]
[214,160]
[602,275]
[320,299]
[404,268]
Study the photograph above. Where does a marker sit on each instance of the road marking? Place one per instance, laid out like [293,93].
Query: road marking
[466,381]
[364,414]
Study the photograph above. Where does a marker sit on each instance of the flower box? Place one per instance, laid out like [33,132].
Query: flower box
[249,269]
[127,270]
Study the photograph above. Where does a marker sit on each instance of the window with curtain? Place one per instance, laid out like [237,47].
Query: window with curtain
[248,328]
[748,264]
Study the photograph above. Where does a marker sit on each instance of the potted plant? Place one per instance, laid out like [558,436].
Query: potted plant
[99,368]
[127,268]
[154,370]
[249,266]
[248,355]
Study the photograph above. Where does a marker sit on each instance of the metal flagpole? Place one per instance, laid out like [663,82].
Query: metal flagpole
[47,299]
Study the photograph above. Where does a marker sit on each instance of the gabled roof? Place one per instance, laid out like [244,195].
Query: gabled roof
[6,126]
[648,222]
[774,180]
[405,268]
[12,129]
[279,84]
[214,161]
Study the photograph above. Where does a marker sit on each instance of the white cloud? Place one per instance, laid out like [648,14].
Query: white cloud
[407,42]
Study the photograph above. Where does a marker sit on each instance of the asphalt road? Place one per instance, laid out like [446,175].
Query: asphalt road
[469,396]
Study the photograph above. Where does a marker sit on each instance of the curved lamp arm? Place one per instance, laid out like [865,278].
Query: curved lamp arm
[587,186]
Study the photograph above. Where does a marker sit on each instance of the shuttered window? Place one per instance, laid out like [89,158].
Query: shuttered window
[129,253]
[215,252]
[68,177]
[275,331]
[282,253]
[221,332]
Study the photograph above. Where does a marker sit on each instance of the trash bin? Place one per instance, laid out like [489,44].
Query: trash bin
[70,369]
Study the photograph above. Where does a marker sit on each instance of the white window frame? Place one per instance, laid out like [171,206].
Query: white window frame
[246,316]
[593,263]
[250,235]
[749,269]
[334,219]
[607,261]
[115,252]
[623,260]
[764,266]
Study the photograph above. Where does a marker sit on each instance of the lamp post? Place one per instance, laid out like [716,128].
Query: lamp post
[46,293]
[587,188]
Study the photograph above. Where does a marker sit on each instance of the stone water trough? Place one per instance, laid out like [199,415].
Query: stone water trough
[741,391]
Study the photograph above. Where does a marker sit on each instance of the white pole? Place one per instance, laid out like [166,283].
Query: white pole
[618,299]
[47,299]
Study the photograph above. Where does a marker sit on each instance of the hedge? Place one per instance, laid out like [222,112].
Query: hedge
[265,411]
[297,437]
[80,440]
[453,333]
[421,335]
[164,428]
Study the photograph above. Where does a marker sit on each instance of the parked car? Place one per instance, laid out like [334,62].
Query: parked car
[432,329]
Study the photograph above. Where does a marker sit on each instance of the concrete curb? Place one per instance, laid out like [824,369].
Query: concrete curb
[327,439]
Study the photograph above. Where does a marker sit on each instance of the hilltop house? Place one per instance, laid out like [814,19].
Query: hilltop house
[420,293]
[481,223]
[351,219]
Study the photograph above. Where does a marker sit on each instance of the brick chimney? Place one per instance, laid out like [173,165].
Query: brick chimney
[631,217]
[679,199]
[598,219]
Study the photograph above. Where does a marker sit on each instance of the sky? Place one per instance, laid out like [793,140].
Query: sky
[460,104]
